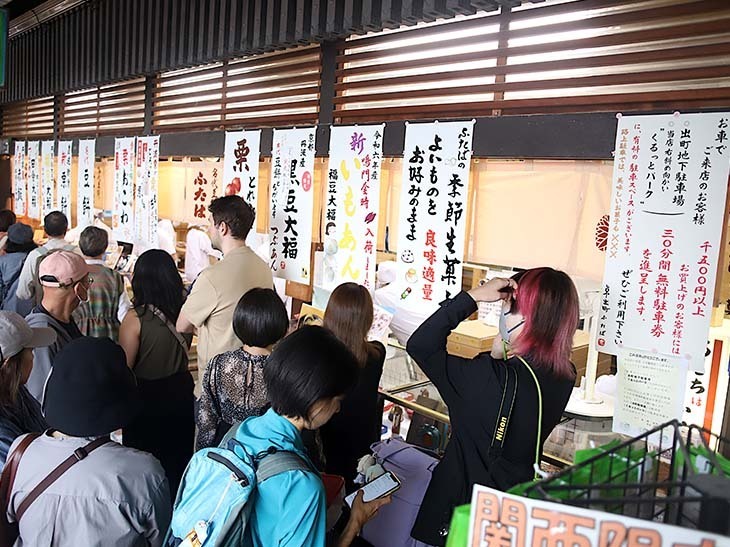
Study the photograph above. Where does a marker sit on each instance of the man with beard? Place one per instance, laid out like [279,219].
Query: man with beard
[210,306]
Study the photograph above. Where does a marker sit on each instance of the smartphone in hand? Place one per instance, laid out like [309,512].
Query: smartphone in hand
[383,486]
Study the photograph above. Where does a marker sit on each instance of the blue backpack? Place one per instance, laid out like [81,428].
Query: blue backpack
[217,493]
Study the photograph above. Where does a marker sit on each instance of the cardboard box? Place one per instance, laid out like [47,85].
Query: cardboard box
[471,338]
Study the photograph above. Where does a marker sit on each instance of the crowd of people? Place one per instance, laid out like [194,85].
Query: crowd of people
[98,417]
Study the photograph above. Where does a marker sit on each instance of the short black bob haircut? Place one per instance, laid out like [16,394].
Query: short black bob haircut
[309,365]
[260,318]
[55,224]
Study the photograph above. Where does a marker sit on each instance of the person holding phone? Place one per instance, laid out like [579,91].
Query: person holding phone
[539,319]
[306,378]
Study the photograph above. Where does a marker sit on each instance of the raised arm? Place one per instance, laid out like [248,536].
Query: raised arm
[428,344]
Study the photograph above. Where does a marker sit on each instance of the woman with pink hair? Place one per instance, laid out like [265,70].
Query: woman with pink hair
[503,404]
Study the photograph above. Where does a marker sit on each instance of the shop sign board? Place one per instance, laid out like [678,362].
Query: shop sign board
[20,184]
[290,226]
[504,520]
[123,214]
[85,183]
[63,176]
[241,165]
[432,213]
[352,205]
[667,207]
[34,180]
[48,198]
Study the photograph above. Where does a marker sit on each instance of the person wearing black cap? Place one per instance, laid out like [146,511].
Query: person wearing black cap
[112,495]
[19,242]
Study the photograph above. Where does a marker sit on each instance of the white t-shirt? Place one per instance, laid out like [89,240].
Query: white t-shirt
[198,249]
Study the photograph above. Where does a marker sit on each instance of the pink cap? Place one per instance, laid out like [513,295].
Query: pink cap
[62,269]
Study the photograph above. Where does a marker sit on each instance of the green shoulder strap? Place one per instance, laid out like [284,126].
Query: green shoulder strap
[539,407]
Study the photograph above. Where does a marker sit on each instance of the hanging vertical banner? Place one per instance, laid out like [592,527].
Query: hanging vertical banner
[153,188]
[290,226]
[48,200]
[85,183]
[201,187]
[34,180]
[705,392]
[669,186]
[353,199]
[20,185]
[432,219]
[145,222]
[123,214]
[63,171]
[241,165]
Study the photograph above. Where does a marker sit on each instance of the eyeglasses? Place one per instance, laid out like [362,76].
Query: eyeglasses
[87,281]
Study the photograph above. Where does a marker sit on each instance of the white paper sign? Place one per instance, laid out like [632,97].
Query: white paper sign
[145,219]
[123,214]
[503,520]
[48,199]
[650,391]
[34,180]
[432,219]
[63,171]
[202,185]
[290,227]
[353,201]
[241,165]
[85,183]
[20,185]
[670,181]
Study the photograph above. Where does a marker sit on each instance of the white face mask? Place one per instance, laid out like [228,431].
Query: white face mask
[81,300]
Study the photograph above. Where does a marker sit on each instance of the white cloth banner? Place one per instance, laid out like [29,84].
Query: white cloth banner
[202,185]
[34,180]
[432,219]
[48,199]
[153,191]
[85,183]
[353,200]
[650,392]
[20,185]
[148,157]
[705,392]
[123,214]
[241,165]
[290,227]
[670,181]
[63,171]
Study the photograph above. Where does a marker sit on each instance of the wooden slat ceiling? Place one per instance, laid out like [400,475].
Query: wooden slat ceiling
[264,90]
[111,40]
[589,55]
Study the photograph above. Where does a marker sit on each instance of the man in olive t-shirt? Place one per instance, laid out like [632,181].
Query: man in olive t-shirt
[211,304]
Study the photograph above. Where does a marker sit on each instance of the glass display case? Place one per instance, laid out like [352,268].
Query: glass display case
[414,409]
